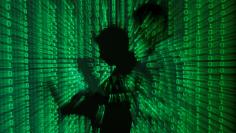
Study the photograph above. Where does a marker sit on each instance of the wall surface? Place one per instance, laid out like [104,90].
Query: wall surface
[192,84]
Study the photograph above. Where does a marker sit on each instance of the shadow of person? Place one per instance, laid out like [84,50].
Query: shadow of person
[113,44]
[112,96]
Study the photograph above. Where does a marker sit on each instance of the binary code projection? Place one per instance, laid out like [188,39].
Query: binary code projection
[185,79]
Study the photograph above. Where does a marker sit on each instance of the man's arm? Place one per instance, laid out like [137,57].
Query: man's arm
[83,103]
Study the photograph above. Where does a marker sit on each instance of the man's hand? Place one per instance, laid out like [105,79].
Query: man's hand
[84,103]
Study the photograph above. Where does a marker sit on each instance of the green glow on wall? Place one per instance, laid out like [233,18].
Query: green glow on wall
[192,84]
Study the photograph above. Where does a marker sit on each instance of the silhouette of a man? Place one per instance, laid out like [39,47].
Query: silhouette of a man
[109,109]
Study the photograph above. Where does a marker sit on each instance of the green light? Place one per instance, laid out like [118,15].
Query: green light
[189,85]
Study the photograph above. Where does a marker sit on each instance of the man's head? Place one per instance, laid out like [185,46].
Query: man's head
[113,44]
